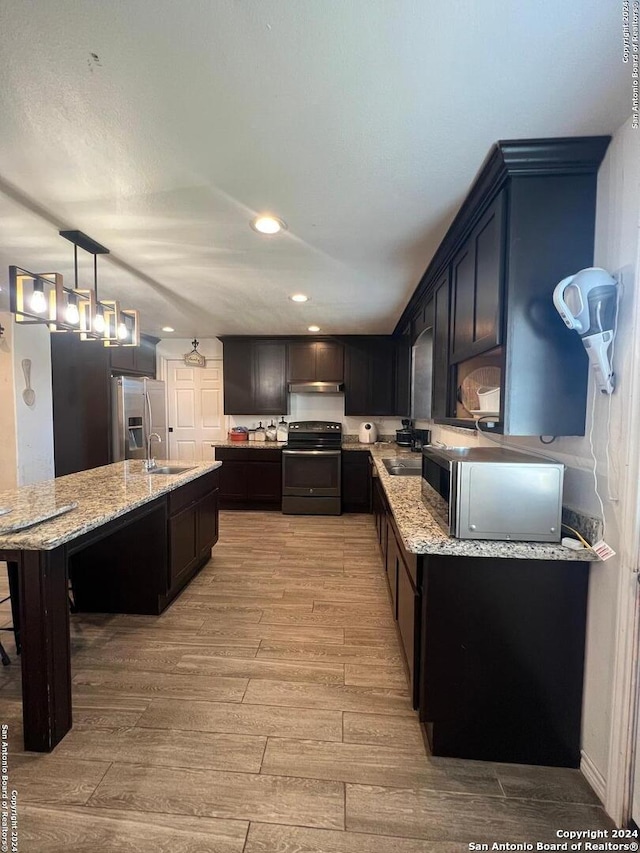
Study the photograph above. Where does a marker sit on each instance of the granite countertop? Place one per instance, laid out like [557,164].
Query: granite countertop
[424,533]
[347,444]
[99,494]
[250,445]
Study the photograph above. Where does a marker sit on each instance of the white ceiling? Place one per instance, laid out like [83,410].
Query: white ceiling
[360,122]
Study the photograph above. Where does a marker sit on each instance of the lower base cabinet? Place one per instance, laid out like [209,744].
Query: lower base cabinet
[139,563]
[356,481]
[494,649]
[250,478]
[503,658]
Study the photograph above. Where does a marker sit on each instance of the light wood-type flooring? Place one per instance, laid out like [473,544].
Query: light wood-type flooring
[266,710]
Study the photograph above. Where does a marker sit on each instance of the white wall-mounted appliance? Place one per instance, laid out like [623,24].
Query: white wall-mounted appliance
[138,409]
[587,303]
[367,433]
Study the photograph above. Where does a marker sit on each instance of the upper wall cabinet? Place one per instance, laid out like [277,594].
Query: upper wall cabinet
[527,222]
[139,360]
[316,361]
[376,381]
[255,376]
[476,283]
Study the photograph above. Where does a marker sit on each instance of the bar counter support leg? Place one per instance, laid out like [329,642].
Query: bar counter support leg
[46,653]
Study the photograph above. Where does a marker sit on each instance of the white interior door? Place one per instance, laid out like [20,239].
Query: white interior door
[196,413]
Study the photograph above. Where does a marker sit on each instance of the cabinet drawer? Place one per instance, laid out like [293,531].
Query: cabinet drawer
[247,454]
[192,492]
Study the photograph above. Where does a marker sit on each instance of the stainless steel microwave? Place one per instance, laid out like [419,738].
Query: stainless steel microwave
[493,493]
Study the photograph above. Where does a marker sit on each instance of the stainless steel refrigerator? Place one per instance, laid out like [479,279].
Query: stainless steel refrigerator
[138,409]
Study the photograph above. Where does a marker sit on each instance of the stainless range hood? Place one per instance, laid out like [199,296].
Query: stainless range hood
[316,387]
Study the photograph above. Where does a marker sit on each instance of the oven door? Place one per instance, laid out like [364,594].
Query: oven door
[316,473]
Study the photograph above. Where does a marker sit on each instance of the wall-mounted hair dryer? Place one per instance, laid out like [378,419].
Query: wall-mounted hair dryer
[587,303]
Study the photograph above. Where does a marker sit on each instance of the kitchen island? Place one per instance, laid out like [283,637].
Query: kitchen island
[130,540]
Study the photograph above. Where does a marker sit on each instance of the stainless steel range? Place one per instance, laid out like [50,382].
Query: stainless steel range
[312,469]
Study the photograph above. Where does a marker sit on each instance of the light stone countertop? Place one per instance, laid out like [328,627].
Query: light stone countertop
[250,445]
[424,533]
[101,494]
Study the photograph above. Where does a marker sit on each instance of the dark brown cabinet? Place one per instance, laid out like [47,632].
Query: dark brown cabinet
[356,481]
[140,360]
[376,376]
[440,361]
[527,222]
[392,560]
[255,376]
[476,283]
[139,563]
[193,529]
[502,658]
[183,544]
[404,577]
[316,361]
[81,403]
[81,391]
[378,504]
[249,478]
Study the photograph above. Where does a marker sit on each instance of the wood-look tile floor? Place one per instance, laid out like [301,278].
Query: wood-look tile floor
[266,710]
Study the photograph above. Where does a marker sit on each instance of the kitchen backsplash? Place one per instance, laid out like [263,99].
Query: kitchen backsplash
[320,407]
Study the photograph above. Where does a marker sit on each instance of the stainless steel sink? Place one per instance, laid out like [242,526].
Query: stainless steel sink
[403,466]
[172,469]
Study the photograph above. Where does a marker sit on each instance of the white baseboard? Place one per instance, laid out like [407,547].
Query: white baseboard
[593,776]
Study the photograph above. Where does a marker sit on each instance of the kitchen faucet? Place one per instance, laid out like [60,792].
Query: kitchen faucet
[150,462]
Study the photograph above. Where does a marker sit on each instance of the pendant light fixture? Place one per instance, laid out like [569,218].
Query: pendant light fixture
[102,319]
[43,298]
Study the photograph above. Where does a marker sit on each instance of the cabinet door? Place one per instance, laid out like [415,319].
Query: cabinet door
[356,481]
[233,481]
[270,395]
[392,561]
[477,287]
[207,510]
[145,358]
[463,286]
[408,622]
[237,368]
[489,265]
[440,375]
[123,358]
[264,481]
[329,361]
[402,402]
[302,361]
[379,516]
[382,376]
[356,380]
[183,543]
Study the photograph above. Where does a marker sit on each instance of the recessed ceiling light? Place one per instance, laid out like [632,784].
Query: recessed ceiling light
[268,224]
[314,328]
[168,329]
[299,297]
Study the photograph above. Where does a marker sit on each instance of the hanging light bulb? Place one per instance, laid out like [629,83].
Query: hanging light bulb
[38,303]
[72,315]
[99,323]
[123,332]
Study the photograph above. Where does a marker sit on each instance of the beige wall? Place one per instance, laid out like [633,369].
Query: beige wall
[26,432]
[8,449]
